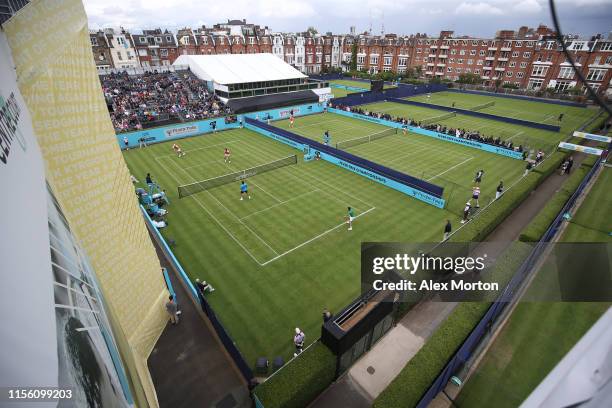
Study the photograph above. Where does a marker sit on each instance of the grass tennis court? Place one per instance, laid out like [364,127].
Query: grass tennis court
[448,165]
[537,138]
[278,259]
[339,92]
[533,111]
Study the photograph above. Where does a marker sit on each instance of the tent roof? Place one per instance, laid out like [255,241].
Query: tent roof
[228,69]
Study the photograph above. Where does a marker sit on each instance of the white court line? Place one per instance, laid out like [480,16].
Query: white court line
[211,215]
[313,239]
[235,216]
[315,124]
[204,164]
[261,188]
[319,181]
[515,135]
[449,169]
[199,148]
[280,203]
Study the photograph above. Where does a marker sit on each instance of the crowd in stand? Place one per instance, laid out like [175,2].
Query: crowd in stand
[460,133]
[137,101]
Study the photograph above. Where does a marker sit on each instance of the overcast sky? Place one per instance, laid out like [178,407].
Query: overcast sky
[470,17]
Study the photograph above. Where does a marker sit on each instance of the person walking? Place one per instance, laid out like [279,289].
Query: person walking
[447,230]
[570,163]
[500,189]
[172,309]
[298,341]
[528,168]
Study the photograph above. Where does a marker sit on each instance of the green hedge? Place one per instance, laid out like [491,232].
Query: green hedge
[492,216]
[538,226]
[301,380]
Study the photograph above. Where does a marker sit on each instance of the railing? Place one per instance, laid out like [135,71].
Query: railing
[9,7]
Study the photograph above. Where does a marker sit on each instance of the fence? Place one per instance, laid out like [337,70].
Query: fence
[521,94]
[507,297]
[224,336]
[402,91]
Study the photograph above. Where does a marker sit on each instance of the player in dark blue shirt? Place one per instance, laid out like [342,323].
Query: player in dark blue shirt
[244,190]
[326,138]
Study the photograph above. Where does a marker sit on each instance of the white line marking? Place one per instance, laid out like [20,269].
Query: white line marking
[449,169]
[313,239]
[279,203]
[515,135]
[211,214]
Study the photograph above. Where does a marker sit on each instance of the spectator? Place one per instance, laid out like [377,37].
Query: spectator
[172,309]
[447,230]
[298,341]
[204,286]
[570,163]
[326,315]
[500,190]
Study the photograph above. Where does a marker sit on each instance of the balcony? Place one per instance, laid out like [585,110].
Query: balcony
[444,47]
[441,64]
[428,72]
[433,47]
[500,68]
[430,64]
[484,76]
[506,48]
[489,58]
[486,68]
[432,55]
[442,56]
[504,59]
[492,48]
[440,73]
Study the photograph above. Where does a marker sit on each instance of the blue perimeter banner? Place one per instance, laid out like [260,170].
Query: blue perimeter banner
[187,129]
[413,192]
[348,87]
[437,135]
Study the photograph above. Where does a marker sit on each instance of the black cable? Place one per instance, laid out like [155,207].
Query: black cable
[592,93]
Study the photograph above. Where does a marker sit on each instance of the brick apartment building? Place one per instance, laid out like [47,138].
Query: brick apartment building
[528,58]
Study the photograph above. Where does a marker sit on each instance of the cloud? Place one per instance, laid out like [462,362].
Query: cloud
[471,9]
[528,6]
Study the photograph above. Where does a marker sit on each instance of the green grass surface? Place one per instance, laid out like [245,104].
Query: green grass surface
[533,138]
[592,222]
[512,108]
[446,164]
[277,260]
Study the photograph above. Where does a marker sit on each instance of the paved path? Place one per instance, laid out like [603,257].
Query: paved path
[371,374]
[189,366]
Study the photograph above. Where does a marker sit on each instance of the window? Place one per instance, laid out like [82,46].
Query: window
[451,60]
[470,62]
[482,53]
[360,59]
[158,40]
[474,42]
[388,60]
[561,86]
[418,50]
[462,52]
[472,52]
[402,61]
[535,84]
[596,74]
[94,41]
[509,74]
[477,71]
[373,60]
[597,60]
[453,52]
[460,61]
[515,54]
[121,41]
[119,56]
[169,38]
[185,40]
[523,65]
[449,69]
[549,58]
[609,60]
[479,62]
[566,73]
[468,70]
[386,69]
[164,52]
[318,59]
[527,54]
[606,46]
[327,58]
[576,45]
[143,40]
[520,74]
[518,44]
[309,59]
[539,70]
[529,44]
[512,64]
[458,70]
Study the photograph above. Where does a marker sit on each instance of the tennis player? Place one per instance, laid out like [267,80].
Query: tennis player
[478,176]
[350,216]
[291,120]
[326,138]
[177,150]
[227,155]
[466,212]
[244,190]
[476,195]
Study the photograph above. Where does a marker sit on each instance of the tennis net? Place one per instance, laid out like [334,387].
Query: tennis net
[365,139]
[193,188]
[483,106]
[440,118]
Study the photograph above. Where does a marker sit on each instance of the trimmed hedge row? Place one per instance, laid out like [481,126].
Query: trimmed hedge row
[301,380]
[547,215]
[490,217]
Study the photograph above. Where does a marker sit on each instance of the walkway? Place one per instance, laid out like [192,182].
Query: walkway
[369,376]
[189,366]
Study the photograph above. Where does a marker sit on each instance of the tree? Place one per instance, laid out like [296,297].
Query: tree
[469,78]
[418,71]
[353,66]
[312,31]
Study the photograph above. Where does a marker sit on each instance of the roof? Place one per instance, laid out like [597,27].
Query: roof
[228,69]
